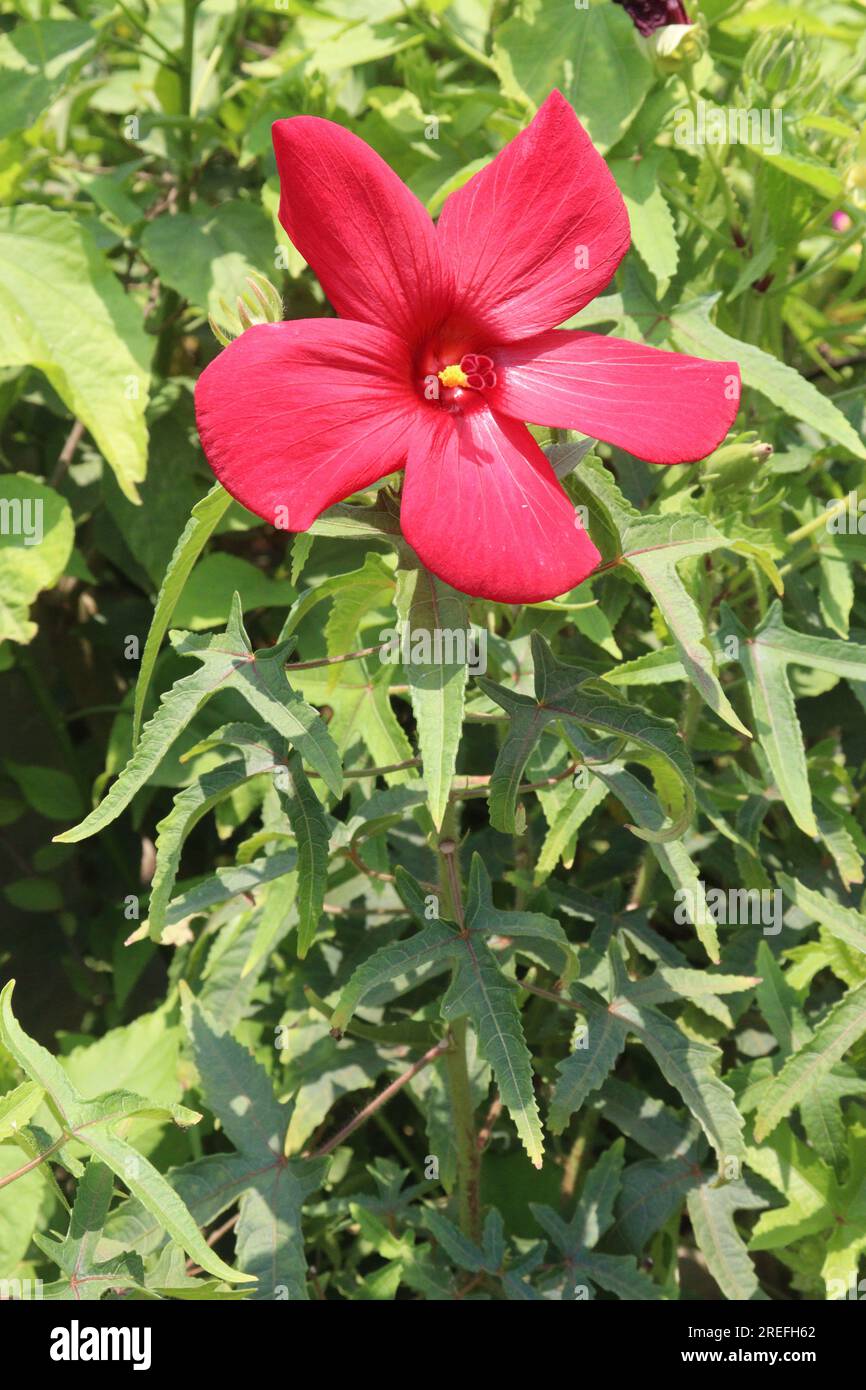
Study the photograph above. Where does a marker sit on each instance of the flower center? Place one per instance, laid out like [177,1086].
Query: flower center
[453,376]
[456,385]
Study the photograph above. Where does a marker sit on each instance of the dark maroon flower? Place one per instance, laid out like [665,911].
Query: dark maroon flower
[649,15]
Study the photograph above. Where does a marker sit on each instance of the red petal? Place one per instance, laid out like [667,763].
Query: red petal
[369,240]
[664,407]
[484,511]
[539,232]
[296,416]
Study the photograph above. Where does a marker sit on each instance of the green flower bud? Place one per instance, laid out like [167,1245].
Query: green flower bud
[261,303]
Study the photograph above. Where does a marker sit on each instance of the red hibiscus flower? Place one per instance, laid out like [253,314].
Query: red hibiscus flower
[444,346]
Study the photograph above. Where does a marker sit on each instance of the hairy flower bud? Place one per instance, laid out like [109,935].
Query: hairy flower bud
[262,303]
[782,65]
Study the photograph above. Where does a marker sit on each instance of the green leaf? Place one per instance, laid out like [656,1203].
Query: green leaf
[431,612]
[597,1043]
[190,805]
[310,828]
[804,1180]
[674,859]
[436,943]
[652,226]
[269,1240]
[593,1216]
[79,328]
[37,60]
[19,1106]
[780,1003]
[775,718]
[227,662]
[711,1212]
[688,1065]
[87,1278]
[208,593]
[694,333]
[568,696]
[478,989]
[842,922]
[36,541]
[482,993]
[835,1034]
[559,842]
[591,54]
[91,1123]
[206,515]
[653,547]
[206,254]
[516,927]
[230,883]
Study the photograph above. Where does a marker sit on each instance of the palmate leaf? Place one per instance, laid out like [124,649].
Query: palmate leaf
[765,656]
[564,825]
[600,1039]
[92,1124]
[842,922]
[310,829]
[688,1065]
[228,883]
[432,615]
[804,1069]
[590,54]
[478,989]
[693,332]
[228,663]
[576,1239]
[358,589]
[805,1181]
[815,1202]
[271,1189]
[259,751]
[361,713]
[87,1278]
[204,518]
[652,547]
[711,1208]
[765,667]
[572,698]
[674,859]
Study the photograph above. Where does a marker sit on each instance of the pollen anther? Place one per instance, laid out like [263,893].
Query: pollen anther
[453,376]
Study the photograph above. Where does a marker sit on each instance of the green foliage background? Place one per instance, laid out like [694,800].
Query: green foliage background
[612,1100]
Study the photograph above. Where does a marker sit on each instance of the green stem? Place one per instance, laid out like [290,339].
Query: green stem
[456,1064]
[730,203]
[187,57]
[463,1113]
[576,1159]
[171,300]
[822,519]
[154,39]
